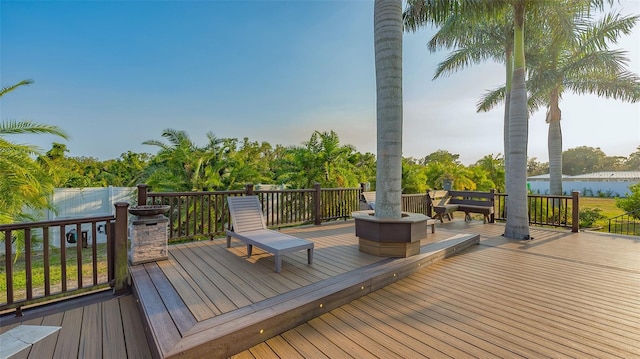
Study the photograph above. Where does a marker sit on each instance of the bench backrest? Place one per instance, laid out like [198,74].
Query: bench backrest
[246,213]
[474,198]
[438,197]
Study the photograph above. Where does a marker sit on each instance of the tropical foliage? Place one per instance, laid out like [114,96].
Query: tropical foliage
[24,182]
[25,185]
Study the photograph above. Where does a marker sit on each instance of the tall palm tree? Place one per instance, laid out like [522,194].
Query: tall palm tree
[388,61]
[576,58]
[438,12]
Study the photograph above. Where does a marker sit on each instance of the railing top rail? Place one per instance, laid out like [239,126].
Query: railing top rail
[56,222]
[283,190]
[342,189]
[194,193]
[625,214]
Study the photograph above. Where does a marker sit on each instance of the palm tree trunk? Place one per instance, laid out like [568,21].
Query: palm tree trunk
[388,58]
[507,100]
[517,226]
[554,144]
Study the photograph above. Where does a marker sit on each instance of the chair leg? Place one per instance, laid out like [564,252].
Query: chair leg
[249,250]
[278,263]
[310,255]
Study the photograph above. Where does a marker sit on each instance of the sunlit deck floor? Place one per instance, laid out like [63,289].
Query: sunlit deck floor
[208,299]
[561,295]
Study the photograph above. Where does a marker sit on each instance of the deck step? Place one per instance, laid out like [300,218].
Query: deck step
[238,330]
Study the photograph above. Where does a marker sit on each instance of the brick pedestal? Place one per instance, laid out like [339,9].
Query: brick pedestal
[148,239]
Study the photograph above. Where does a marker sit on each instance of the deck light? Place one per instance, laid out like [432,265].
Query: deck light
[321,305]
[261,331]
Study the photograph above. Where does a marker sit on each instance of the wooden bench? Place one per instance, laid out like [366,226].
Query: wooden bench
[438,205]
[467,202]
[249,226]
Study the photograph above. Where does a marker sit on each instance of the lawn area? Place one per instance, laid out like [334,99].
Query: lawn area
[55,272]
[607,205]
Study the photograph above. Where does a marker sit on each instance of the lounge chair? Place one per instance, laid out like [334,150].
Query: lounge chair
[249,226]
[370,198]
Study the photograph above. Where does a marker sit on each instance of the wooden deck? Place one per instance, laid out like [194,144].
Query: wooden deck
[561,295]
[211,300]
[95,326]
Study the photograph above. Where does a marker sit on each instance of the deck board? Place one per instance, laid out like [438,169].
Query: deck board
[90,346]
[113,343]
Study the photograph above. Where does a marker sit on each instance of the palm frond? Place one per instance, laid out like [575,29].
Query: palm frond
[12,127]
[491,99]
[8,89]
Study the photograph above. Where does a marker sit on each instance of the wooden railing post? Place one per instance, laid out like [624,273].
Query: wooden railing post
[492,217]
[121,268]
[575,211]
[318,219]
[249,189]
[142,194]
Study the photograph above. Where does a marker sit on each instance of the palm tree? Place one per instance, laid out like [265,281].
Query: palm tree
[577,58]
[420,12]
[24,182]
[388,60]
[181,165]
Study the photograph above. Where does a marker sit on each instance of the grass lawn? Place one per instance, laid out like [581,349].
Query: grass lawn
[607,205]
[55,272]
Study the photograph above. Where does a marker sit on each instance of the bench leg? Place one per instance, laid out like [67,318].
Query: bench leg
[278,263]
[433,228]
[467,217]
[228,241]
[310,255]
[249,250]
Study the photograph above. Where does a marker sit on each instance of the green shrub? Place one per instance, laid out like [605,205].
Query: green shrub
[588,216]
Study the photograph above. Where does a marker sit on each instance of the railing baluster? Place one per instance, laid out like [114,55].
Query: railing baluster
[8,262]
[46,261]
[63,258]
[27,263]
[79,245]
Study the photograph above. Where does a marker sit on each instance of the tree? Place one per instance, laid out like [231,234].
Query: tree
[574,57]
[631,203]
[24,184]
[581,160]
[388,63]
[633,162]
[322,160]
[181,165]
[438,12]
[493,168]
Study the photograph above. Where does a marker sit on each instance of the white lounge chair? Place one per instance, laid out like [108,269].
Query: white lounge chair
[370,198]
[249,226]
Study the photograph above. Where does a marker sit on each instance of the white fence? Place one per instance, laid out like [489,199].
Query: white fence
[82,203]
[88,202]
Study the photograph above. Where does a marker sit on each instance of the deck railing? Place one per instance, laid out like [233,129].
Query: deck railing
[545,210]
[206,215]
[75,269]
[62,258]
[627,223]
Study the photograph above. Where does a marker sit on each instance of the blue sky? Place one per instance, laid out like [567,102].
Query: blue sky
[113,74]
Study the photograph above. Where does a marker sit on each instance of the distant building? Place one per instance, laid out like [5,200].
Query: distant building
[598,184]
